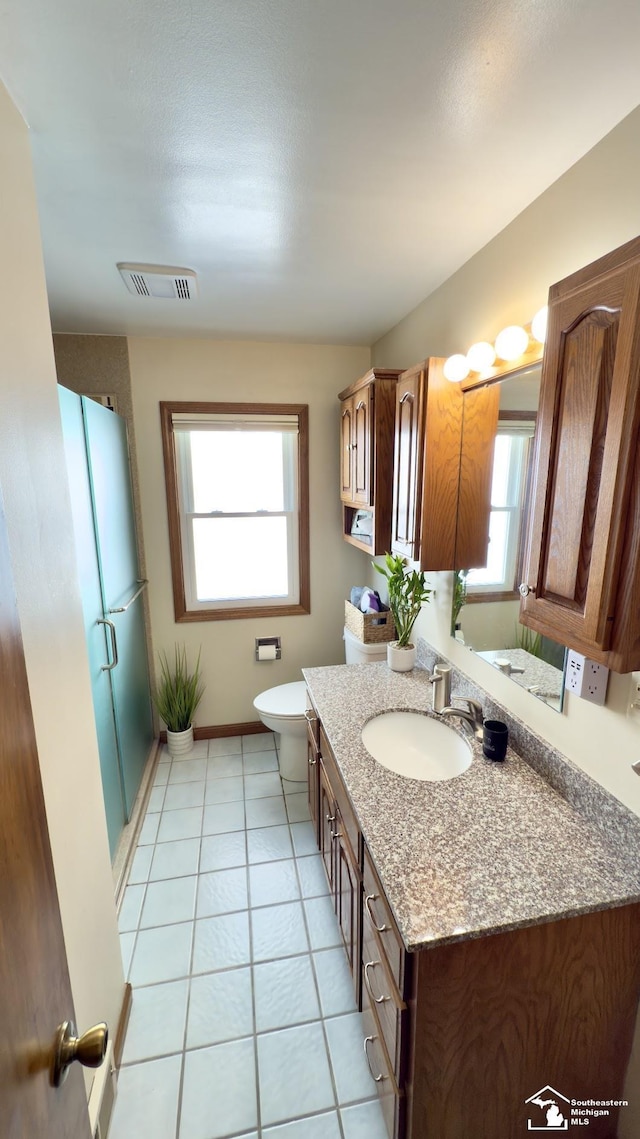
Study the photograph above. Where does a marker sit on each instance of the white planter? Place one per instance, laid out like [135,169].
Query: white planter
[180,743]
[401,659]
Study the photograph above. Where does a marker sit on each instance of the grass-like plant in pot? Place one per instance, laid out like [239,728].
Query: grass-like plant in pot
[407,594]
[177,694]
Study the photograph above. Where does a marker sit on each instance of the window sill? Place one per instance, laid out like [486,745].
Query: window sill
[242,613]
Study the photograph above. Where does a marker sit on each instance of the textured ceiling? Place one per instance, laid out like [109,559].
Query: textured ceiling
[322,164]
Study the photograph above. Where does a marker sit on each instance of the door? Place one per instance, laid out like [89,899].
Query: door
[35,993]
[407,465]
[109,472]
[363,446]
[346,450]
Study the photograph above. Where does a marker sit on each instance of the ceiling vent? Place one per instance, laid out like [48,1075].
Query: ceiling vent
[159,281]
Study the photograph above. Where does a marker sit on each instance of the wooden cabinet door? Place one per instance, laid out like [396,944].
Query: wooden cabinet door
[362,446]
[407,464]
[346,449]
[585,450]
[327,813]
[348,901]
[312,777]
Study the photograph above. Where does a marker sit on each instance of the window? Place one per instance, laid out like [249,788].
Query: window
[511,461]
[237,497]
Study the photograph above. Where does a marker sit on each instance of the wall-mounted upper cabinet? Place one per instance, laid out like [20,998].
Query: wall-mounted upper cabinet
[426,476]
[582,579]
[367,411]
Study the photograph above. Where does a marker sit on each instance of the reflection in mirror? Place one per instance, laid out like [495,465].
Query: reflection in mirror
[486,602]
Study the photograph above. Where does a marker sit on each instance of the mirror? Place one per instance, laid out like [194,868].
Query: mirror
[486,602]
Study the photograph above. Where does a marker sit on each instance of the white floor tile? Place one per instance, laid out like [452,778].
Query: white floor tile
[294,786]
[131,907]
[175,859]
[187,770]
[263,785]
[350,1068]
[200,748]
[147,1100]
[265,812]
[273,882]
[161,954]
[226,790]
[220,1008]
[222,892]
[157,1021]
[324,931]
[304,838]
[323,1126]
[149,830]
[156,799]
[254,762]
[259,741]
[335,983]
[161,777]
[184,795]
[294,1074]
[266,844]
[221,942]
[278,931]
[364,1121]
[219,1093]
[313,880]
[224,766]
[169,901]
[230,745]
[221,851]
[285,993]
[297,807]
[127,942]
[140,865]
[222,817]
[184,823]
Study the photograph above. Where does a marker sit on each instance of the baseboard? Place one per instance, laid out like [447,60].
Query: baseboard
[123,1021]
[221,731]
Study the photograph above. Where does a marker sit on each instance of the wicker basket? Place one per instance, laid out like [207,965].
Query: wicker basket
[370,628]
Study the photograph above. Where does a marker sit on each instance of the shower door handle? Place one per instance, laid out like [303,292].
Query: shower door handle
[114,644]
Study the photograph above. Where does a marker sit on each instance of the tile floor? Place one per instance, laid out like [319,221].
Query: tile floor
[243,1022]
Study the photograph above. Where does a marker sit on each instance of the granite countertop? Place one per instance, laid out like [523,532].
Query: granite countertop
[492,849]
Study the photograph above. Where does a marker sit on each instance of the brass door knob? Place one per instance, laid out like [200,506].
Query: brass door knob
[89,1049]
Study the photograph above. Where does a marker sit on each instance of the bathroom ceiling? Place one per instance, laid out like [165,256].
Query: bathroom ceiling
[322,164]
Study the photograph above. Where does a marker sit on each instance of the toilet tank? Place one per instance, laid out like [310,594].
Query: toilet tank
[356,652]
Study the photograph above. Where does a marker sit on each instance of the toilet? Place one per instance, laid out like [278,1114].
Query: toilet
[282,709]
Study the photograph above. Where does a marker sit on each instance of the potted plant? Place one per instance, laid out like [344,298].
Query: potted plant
[177,695]
[407,595]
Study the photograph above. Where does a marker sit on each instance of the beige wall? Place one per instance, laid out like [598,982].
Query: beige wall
[170,369]
[33,481]
[590,210]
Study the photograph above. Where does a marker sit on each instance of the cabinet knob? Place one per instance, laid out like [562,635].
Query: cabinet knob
[524,590]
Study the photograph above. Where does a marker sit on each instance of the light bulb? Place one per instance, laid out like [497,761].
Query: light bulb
[539,324]
[511,342]
[456,368]
[481,356]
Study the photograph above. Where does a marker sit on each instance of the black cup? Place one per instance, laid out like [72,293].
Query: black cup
[495,736]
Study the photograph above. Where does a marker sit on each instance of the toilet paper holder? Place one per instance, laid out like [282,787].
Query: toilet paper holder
[268,643]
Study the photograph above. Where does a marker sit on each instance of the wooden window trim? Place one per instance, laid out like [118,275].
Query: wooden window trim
[182,613]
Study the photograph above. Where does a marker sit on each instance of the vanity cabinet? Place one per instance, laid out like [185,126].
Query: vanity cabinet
[426,473]
[366,456]
[582,578]
[460,1037]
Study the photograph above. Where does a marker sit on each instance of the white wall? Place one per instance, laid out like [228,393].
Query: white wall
[38,514]
[187,369]
[592,209]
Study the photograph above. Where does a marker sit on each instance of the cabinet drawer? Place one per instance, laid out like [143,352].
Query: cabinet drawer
[391,1099]
[383,922]
[391,1011]
[349,824]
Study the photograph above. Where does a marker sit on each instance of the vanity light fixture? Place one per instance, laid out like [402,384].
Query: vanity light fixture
[481,356]
[511,342]
[539,324]
[456,368]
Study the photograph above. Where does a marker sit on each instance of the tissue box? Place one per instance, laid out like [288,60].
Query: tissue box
[370,628]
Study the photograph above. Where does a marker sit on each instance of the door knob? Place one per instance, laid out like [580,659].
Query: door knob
[89,1049]
[524,590]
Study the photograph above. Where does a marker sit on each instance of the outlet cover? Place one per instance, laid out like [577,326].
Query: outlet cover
[586,678]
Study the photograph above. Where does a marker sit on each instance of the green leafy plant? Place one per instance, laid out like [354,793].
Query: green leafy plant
[407,594]
[459,595]
[179,690]
[528,640]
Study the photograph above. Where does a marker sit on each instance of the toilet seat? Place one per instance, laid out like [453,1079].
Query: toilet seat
[287,701]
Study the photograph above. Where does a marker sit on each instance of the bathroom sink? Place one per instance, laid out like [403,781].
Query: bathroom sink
[416,746]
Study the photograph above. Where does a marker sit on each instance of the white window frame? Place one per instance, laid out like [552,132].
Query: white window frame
[179,420]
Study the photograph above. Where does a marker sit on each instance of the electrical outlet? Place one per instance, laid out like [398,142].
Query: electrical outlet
[633,706]
[586,678]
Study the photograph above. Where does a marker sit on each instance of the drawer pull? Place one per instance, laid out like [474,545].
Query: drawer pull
[331,818]
[369,1039]
[378,1000]
[367,901]
[336,834]
[312,761]
[310,717]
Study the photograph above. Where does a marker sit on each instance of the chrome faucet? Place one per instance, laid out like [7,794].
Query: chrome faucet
[440,681]
[471,715]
